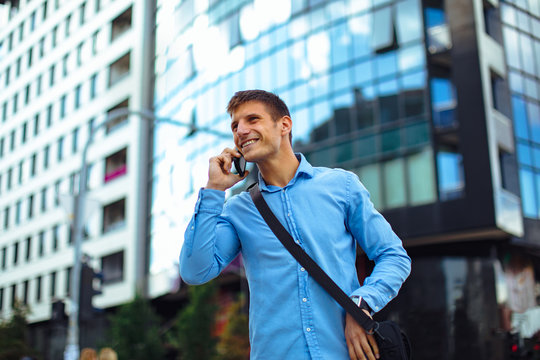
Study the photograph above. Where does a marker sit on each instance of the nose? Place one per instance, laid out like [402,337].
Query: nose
[242,128]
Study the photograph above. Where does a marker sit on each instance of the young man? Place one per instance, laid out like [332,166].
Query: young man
[327,211]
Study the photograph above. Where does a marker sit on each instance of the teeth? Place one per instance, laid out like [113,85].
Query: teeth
[248,143]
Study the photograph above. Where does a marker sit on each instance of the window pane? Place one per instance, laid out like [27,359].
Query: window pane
[340,42]
[443,102]
[386,64]
[421,178]
[390,140]
[411,58]
[520,117]
[370,176]
[388,101]
[394,183]
[527,52]
[511,47]
[524,154]
[528,197]
[450,170]
[534,119]
[417,134]
[363,72]
[382,34]
[360,28]
[409,22]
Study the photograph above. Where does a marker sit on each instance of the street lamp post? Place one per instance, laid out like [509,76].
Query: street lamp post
[72,347]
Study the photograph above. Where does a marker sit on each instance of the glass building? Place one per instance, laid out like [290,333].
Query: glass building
[420,98]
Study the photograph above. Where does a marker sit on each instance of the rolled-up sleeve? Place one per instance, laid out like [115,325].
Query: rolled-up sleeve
[210,242]
[376,237]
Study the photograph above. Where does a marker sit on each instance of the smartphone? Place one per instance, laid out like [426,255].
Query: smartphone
[240,165]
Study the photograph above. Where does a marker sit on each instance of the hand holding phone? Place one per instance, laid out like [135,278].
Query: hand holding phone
[240,165]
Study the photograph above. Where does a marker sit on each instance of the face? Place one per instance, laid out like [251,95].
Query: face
[255,132]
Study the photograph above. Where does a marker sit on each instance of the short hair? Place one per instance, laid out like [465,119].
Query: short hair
[273,103]
[108,354]
[275,106]
[88,354]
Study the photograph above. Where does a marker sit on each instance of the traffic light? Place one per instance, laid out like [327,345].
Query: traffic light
[88,289]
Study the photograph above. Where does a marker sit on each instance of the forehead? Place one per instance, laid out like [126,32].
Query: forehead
[250,108]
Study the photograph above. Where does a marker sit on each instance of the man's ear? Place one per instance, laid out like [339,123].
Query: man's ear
[286,125]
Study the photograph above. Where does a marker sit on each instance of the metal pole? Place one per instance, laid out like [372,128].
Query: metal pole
[72,347]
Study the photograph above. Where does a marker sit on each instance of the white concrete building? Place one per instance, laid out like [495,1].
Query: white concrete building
[64,64]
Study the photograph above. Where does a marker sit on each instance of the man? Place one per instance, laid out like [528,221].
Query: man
[328,213]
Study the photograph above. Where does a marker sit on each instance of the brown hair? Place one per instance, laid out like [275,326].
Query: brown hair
[88,354]
[273,103]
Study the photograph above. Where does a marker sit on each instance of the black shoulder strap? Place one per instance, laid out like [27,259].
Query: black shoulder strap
[308,263]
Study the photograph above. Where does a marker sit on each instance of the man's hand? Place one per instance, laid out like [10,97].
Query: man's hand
[220,176]
[361,345]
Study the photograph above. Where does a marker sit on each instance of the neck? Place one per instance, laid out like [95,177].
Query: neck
[279,170]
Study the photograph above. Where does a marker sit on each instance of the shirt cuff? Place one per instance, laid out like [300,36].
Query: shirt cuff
[210,201]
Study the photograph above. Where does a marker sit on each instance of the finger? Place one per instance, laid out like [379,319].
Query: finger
[366,349]
[352,352]
[374,346]
[356,348]
[232,152]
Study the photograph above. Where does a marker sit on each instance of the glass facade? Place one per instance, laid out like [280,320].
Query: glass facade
[521,34]
[353,73]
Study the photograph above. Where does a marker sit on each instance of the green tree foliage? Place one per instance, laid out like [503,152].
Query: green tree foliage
[134,331]
[13,345]
[191,333]
[234,342]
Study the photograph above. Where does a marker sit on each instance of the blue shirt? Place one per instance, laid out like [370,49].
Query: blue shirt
[328,212]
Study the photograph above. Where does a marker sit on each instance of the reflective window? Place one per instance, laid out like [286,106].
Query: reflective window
[382,35]
[511,47]
[341,44]
[524,154]
[450,171]
[409,21]
[421,178]
[528,193]
[533,111]
[438,34]
[443,102]
[371,178]
[394,183]
[360,28]
[521,127]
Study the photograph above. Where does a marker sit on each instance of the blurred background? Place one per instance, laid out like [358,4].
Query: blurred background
[110,110]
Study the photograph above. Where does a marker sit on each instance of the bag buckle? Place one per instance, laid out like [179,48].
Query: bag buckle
[374,329]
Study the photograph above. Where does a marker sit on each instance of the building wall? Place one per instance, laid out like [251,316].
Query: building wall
[83,42]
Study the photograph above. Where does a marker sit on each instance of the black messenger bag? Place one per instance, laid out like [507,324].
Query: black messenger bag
[392,342]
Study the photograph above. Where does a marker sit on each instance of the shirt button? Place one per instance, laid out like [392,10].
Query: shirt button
[302,269]
[304,300]
[288,214]
[308,329]
[193,227]
[297,241]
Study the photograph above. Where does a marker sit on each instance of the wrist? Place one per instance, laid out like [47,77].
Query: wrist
[361,303]
[213,186]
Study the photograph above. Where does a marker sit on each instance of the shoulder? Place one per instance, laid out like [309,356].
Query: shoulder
[334,174]
[238,201]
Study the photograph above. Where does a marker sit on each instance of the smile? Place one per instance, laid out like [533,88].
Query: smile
[249,142]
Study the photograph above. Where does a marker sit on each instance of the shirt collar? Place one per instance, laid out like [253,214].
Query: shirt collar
[304,169]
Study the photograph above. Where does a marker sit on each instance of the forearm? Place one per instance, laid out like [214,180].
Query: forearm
[209,242]
[391,269]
